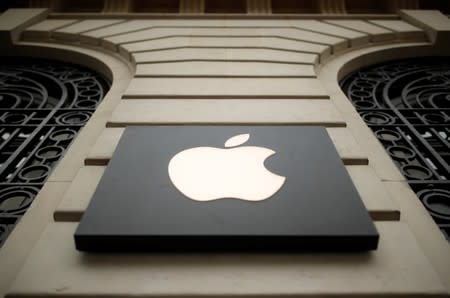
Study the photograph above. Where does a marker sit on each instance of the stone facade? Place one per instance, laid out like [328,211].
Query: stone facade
[228,70]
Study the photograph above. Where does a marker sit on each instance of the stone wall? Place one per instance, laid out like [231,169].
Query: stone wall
[224,71]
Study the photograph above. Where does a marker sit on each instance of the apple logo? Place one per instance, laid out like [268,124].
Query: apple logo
[208,173]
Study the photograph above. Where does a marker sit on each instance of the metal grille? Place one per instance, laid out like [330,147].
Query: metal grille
[43,105]
[407,105]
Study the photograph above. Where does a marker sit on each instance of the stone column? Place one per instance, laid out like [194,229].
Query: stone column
[116,6]
[192,6]
[332,6]
[259,7]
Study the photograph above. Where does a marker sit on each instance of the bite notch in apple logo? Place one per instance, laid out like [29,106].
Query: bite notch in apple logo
[209,173]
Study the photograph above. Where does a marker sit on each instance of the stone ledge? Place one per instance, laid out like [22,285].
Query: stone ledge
[225,112]
[434,22]
[225,88]
[374,196]
[397,269]
[346,146]
[15,20]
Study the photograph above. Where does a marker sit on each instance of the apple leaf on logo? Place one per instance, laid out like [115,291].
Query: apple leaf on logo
[237,140]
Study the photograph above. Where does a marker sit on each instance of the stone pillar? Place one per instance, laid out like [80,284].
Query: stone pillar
[192,6]
[259,7]
[116,6]
[332,6]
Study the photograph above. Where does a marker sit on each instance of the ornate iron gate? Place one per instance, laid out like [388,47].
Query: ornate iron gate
[407,105]
[43,105]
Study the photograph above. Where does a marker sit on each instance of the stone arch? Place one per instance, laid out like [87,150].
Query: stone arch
[119,72]
[330,74]
[44,104]
[405,103]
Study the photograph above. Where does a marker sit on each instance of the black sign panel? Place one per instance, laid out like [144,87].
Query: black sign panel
[227,188]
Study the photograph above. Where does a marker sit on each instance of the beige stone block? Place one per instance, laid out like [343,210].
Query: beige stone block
[72,32]
[226,69]
[103,149]
[373,193]
[51,24]
[158,32]
[336,43]
[75,201]
[397,268]
[225,54]
[189,22]
[402,29]
[15,20]
[159,28]
[120,28]
[28,231]
[431,240]
[376,33]
[355,38]
[109,46]
[124,53]
[79,193]
[223,111]
[346,146]
[153,45]
[88,40]
[86,25]
[150,33]
[271,55]
[228,42]
[257,22]
[42,29]
[433,19]
[282,32]
[225,87]
[435,23]
[183,54]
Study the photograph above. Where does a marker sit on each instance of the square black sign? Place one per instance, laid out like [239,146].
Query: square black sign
[228,188]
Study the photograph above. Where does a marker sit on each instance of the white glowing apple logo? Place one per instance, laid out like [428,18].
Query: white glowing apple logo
[208,173]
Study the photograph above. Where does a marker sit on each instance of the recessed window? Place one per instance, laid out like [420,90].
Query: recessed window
[407,105]
[43,105]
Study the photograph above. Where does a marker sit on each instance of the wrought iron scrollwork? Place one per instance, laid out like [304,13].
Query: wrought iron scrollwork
[407,105]
[43,105]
